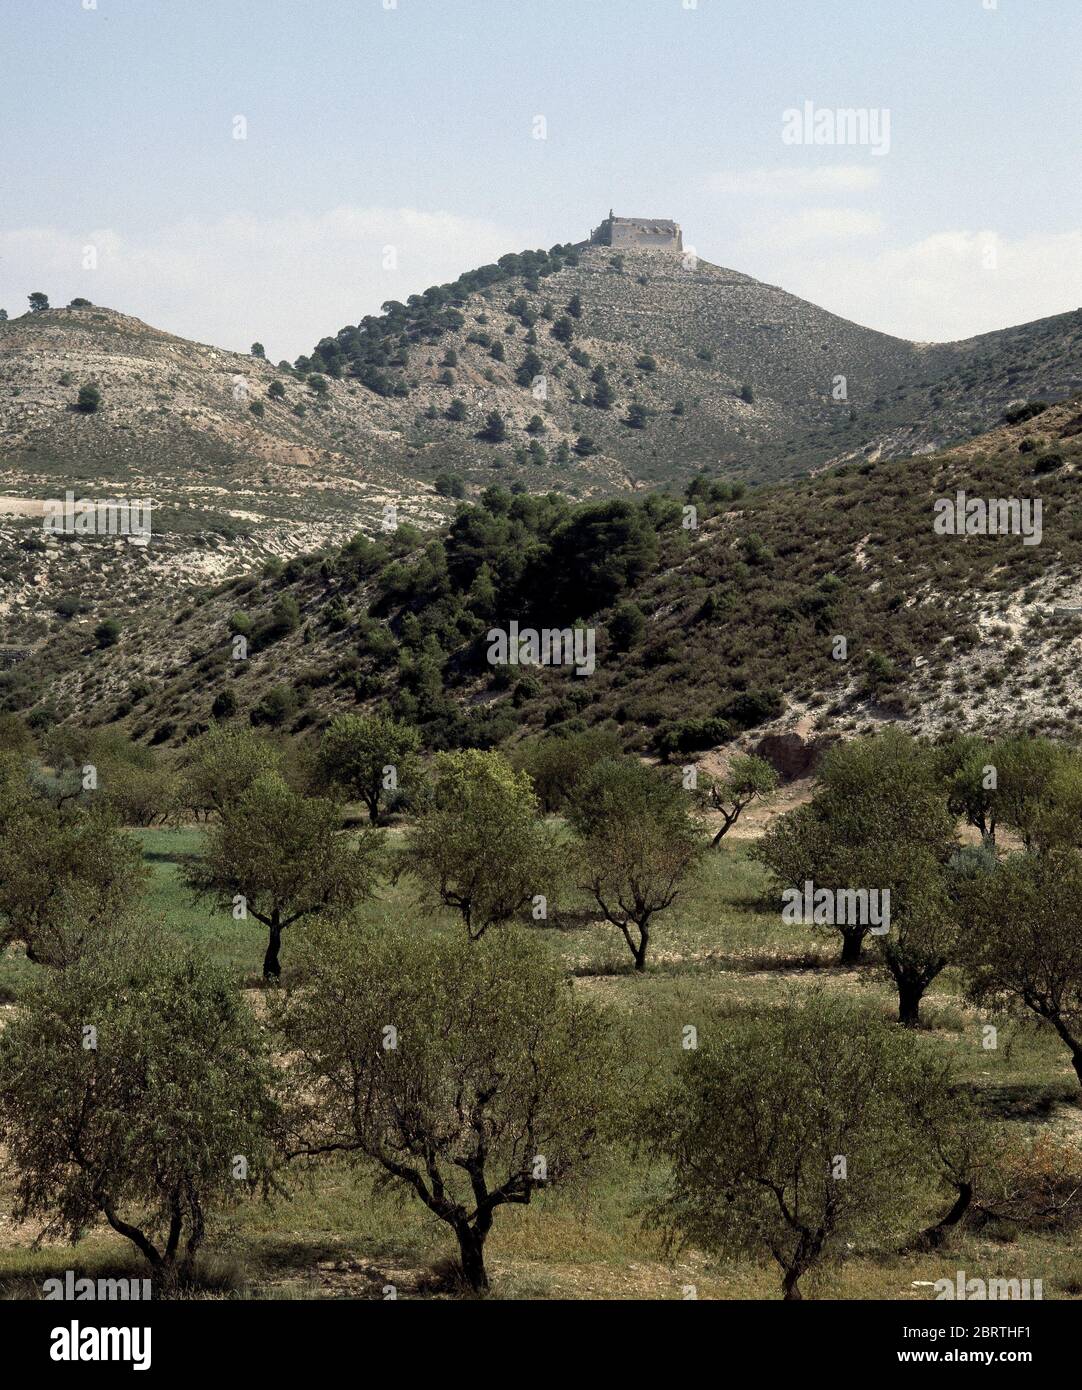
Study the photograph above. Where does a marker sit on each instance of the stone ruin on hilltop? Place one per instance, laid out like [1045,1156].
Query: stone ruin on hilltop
[638,234]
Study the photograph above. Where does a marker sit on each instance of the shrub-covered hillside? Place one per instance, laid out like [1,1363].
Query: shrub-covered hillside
[705,621]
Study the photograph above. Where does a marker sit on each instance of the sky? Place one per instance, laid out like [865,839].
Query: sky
[239,170]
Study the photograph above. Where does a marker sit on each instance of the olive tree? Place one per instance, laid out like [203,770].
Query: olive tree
[795,1132]
[636,843]
[365,757]
[279,856]
[134,1086]
[470,1073]
[479,844]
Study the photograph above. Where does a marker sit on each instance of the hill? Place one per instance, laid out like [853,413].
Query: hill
[702,635]
[586,370]
[671,366]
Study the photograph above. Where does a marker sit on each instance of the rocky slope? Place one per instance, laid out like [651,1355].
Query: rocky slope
[737,620]
[668,365]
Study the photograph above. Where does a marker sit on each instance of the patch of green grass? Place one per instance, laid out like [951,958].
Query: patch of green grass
[720,951]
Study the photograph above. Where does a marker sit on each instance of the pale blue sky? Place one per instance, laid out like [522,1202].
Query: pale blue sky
[414,126]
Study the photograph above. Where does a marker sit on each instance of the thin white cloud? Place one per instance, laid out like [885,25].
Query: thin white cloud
[819,225]
[290,280]
[820,181]
[950,285]
[286,281]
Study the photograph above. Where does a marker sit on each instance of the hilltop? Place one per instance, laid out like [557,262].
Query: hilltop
[671,366]
[588,370]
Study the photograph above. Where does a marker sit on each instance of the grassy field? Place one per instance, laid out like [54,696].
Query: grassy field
[720,950]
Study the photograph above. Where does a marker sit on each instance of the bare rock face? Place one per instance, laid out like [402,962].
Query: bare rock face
[791,755]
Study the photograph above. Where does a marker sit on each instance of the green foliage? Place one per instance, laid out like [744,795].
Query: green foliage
[285,617]
[878,820]
[144,1126]
[107,632]
[557,763]
[692,736]
[636,844]
[224,705]
[626,627]
[763,1112]
[66,871]
[221,766]
[89,398]
[1020,413]
[278,856]
[1020,944]
[449,485]
[377,350]
[602,550]
[479,845]
[747,779]
[369,757]
[494,431]
[467,1071]
[748,708]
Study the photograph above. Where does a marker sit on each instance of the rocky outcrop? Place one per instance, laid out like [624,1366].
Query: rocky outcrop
[791,755]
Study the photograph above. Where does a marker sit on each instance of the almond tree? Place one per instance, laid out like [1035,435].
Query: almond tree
[875,795]
[359,753]
[222,765]
[748,778]
[130,1085]
[65,872]
[279,856]
[470,1073]
[479,844]
[637,842]
[1020,946]
[796,1132]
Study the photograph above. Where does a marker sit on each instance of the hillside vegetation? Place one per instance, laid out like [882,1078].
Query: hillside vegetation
[702,632]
